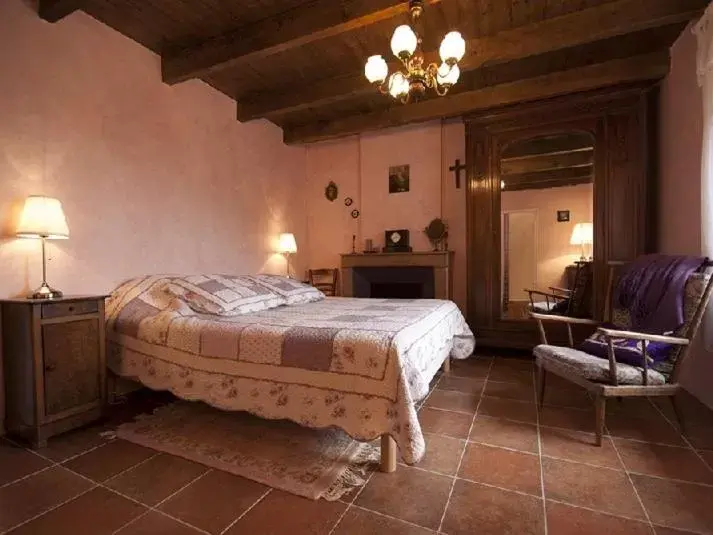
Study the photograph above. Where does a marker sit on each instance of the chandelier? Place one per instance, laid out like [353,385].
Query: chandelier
[411,83]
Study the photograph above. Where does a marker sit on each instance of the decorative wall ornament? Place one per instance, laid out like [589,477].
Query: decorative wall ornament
[348,201]
[399,179]
[355,213]
[437,233]
[331,191]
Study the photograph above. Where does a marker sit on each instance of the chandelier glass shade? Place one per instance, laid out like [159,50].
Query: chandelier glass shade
[411,82]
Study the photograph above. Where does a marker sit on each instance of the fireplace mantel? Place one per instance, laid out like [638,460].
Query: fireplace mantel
[440,261]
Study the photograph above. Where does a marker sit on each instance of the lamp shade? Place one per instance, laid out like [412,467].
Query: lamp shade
[42,217]
[404,41]
[398,85]
[376,69]
[448,75]
[452,47]
[287,243]
[583,234]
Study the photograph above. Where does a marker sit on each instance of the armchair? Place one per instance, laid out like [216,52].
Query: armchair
[610,377]
[575,301]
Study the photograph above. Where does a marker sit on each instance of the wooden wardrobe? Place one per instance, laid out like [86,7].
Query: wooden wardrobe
[622,124]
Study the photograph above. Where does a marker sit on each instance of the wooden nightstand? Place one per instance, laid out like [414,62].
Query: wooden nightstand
[55,364]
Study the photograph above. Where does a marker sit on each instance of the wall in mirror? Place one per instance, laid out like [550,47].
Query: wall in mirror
[546,216]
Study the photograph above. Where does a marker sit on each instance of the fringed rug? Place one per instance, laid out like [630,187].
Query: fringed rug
[324,463]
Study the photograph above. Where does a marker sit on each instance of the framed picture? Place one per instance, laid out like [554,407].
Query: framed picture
[398,179]
[562,216]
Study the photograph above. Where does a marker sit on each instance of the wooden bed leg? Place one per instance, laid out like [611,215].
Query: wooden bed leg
[447,365]
[388,454]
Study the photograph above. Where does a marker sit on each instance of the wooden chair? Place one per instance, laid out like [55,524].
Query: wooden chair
[609,378]
[324,280]
[574,302]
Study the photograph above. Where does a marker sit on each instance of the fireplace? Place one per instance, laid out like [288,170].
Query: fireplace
[412,275]
[402,282]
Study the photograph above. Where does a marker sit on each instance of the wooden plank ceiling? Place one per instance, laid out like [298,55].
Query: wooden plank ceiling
[299,63]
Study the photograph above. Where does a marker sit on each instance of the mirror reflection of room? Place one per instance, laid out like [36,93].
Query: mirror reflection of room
[546,203]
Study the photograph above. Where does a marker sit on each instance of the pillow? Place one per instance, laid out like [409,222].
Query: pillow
[293,291]
[626,351]
[223,295]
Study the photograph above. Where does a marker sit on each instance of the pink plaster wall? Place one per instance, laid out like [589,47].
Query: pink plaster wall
[359,166]
[153,178]
[680,146]
[554,252]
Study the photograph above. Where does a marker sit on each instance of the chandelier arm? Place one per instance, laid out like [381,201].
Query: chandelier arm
[441,90]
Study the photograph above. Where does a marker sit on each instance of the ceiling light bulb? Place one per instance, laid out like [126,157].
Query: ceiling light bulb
[452,47]
[398,85]
[448,75]
[376,70]
[404,41]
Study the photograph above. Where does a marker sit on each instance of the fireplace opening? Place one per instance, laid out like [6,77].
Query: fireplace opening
[402,282]
[397,290]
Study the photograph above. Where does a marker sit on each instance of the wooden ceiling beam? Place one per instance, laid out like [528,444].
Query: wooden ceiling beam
[289,30]
[55,10]
[544,162]
[608,20]
[651,66]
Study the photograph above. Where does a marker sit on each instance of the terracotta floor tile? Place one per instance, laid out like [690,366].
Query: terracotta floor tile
[567,520]
[506,433]
[512,370]
[578,446]
[453,401]
[24,499]
[474,367]
[454,424]
[676,504]
[154,523]
[485,510]
[73,443]
[466,385]
[511,470]
[426,495]
[700,437]
[506,408]
[157,478]
[107,461]
[575,419]
[609,491]
[519,392]
[634,407]
[361,522]
[648,429]
[17,462]
[707,457]
[663,461]
[442,454]
[99,510]
[214,501]
[281,513]
[661,530]
[577,399]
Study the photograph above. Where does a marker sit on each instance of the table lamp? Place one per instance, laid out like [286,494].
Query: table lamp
[43,218]
[583,234]
[287,245]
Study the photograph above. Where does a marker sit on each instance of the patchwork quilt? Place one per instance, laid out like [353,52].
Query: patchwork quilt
[357,364]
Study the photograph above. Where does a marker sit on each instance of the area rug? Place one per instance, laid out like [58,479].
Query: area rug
[324,463]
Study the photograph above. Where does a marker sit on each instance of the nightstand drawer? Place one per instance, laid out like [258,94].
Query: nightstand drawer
[71,308]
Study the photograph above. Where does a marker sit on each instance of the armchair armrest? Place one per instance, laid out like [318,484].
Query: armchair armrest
[557,289]
[643,336]
[562,319]
[544,294]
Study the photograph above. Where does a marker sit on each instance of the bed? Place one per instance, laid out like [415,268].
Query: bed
[357,364]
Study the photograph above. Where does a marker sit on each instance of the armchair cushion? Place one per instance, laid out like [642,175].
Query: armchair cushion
[626,351]
[572,361]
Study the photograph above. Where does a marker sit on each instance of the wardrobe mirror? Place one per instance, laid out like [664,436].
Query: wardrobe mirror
[546,221]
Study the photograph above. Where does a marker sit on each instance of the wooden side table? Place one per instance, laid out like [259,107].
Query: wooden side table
[55,365]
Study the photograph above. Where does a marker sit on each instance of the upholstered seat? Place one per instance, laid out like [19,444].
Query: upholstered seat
[571,361]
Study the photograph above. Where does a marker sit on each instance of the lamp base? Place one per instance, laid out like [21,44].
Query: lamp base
[45,292]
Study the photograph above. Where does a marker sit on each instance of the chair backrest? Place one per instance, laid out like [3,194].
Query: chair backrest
[324,279]
[697,293]
[580,299]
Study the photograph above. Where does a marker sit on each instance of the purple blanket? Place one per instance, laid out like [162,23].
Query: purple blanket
[652,290]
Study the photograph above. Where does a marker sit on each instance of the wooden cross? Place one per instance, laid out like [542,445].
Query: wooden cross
[457,168]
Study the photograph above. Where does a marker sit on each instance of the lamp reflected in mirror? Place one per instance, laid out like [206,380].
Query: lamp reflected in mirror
[583,235]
